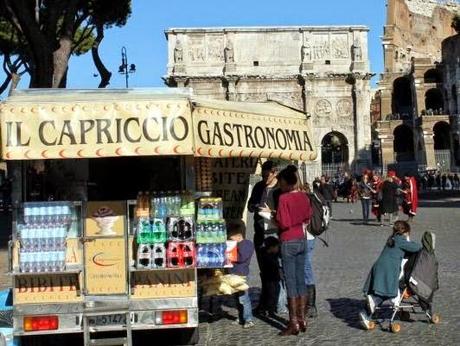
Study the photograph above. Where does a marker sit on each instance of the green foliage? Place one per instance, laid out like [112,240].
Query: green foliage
[21,35]
[456,23]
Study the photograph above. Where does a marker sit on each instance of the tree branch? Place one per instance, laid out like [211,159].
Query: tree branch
[13,18]
[103,72]
[84,35]
[5,83]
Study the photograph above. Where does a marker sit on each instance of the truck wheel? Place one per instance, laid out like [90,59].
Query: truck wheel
[190,336]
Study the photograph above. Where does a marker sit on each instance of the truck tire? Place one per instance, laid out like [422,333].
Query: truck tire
[190,336]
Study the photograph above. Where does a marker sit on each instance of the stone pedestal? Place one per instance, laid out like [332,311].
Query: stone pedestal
[307,66]
[229,68]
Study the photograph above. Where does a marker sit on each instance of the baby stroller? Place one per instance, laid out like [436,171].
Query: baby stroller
[418,282]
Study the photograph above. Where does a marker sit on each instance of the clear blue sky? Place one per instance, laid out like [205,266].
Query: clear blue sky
[144,37]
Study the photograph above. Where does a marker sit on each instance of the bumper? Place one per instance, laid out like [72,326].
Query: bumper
[142,315]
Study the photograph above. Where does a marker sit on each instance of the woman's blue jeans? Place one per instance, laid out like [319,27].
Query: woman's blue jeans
[309,276]
[293,254]
[367,205]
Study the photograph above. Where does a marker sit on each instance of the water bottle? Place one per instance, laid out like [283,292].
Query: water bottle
[22,261]
[62,236]
[223,248]
[27,215]
[61,260]
[52,262]
[49,213]
[24,236]
[32,238]
[202,258]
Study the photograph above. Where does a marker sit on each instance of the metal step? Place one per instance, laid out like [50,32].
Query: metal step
[109,342]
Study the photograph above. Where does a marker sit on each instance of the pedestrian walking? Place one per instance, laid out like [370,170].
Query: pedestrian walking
[444,181]
[377,196]
[456,180]
[389,203]
[327,190]
[293,214]
[365,192]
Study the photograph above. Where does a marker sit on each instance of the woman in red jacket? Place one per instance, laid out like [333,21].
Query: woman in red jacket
[293,214]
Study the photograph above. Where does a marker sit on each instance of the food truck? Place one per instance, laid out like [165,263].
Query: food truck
[117,204]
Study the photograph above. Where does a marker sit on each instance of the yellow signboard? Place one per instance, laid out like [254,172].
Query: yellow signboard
[226,133]
[105,266]
[58,288]
[80,125]
[96,129]
[163,284]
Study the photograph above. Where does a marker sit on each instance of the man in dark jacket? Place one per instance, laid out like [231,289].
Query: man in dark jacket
[258,199]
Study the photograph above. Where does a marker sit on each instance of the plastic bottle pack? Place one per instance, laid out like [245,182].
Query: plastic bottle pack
[181,255]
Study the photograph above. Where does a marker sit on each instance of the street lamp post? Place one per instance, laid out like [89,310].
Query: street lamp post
[126,68]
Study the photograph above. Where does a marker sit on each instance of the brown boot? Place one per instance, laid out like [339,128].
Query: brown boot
[301,316]
[293,327]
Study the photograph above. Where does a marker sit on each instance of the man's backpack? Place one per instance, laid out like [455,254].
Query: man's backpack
[319,221]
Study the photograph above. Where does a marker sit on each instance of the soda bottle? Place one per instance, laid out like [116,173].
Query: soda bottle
[144,255]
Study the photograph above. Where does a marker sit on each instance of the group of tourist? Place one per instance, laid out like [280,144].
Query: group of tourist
[440,181]
[385,196]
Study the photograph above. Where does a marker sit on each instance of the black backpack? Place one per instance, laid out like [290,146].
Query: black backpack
[319,221]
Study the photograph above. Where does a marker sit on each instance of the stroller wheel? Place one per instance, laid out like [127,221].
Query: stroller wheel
[372,325]
[404,315]
[395,327]
[435,318]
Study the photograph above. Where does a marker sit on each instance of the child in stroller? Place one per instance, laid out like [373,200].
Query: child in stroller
[416,283]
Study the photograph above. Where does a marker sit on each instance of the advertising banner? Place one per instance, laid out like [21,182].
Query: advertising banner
[92,129]
[105,248]
[225,133]
[37,289]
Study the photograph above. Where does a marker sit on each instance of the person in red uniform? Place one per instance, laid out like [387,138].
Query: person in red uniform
[410,202]
[293,214]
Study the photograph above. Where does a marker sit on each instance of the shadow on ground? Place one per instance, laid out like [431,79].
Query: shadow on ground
[347,310]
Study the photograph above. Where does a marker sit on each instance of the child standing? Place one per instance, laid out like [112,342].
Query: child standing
[245,250]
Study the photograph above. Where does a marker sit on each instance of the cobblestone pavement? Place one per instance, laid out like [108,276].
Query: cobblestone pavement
[340,272]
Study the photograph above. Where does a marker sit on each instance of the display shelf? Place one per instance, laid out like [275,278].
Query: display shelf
[64,272]
[224,267]
[134,269]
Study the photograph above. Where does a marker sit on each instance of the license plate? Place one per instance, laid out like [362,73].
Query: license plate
[107,320]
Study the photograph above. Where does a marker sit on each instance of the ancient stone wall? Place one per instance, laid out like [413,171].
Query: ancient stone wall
[323,71]
[415,29]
